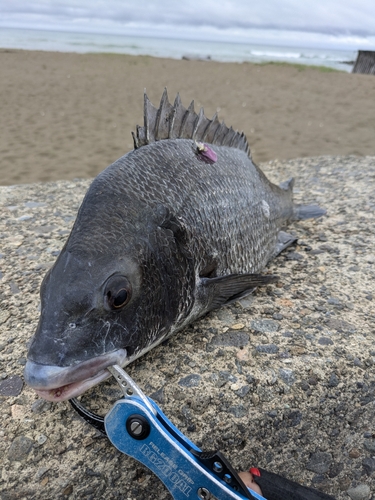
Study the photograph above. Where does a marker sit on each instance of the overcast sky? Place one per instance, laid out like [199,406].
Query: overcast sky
[188,17]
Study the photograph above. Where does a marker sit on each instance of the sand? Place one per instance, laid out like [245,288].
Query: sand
[66,116]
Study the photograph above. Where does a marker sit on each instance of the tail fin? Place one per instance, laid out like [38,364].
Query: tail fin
[302,212]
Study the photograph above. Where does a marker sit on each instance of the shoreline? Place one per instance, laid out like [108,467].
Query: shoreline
[260,48]
[190,57]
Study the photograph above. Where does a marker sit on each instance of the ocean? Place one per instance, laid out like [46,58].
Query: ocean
[63,41]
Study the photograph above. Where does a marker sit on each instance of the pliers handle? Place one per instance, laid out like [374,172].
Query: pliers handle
[137,427]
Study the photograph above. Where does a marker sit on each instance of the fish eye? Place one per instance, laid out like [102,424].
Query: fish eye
[118,292]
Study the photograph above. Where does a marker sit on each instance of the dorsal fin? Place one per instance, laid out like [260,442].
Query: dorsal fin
[176,122]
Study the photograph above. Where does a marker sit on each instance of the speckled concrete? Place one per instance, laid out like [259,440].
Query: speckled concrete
[283,379]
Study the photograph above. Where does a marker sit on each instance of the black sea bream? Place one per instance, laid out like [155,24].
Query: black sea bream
[183,224]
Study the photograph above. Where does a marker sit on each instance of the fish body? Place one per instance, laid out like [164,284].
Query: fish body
[170,231]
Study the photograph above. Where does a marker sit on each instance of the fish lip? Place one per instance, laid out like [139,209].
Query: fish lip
[73,390]
[59,383]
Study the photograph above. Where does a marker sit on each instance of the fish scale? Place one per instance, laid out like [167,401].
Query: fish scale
[220,204]
[173,229]
[209,216]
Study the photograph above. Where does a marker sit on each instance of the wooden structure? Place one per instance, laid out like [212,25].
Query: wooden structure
[365,62]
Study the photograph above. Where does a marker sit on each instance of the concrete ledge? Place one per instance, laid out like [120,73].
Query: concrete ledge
[292,390]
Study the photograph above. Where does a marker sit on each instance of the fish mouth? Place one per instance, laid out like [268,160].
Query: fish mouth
[56,383]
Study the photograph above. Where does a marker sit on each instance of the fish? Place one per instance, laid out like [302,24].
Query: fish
[183,224]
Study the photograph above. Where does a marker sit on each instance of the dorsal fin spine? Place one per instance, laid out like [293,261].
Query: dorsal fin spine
[180,132]
[146,119]
[163,118]
[188,122]
[197,123]
[172,118]
[175,122]
[135,140]
[178,114]
[211,129]
[218,137]
[150,113]
[158,115]
[202,126]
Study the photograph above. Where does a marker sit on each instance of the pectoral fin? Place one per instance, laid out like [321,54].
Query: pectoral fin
[284,240]
[226,289]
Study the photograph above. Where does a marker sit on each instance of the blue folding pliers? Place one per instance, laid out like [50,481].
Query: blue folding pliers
[136,426]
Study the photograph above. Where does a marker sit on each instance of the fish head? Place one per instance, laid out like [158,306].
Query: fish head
[102,310]
[88,321]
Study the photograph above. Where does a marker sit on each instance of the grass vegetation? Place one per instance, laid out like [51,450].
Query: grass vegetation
[300,67]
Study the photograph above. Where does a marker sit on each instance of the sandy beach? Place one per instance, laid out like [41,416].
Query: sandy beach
[66,116]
